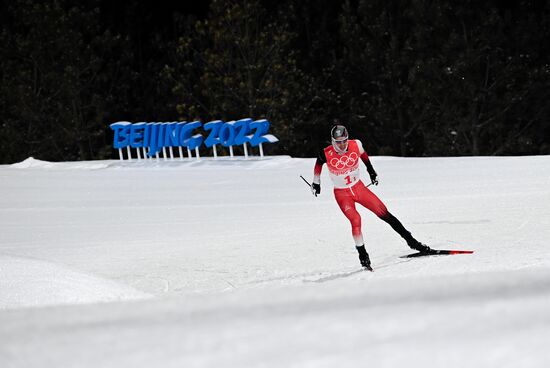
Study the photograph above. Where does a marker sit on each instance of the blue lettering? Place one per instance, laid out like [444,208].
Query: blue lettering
[227,134]
[156,136]
[214,128]
[185,138]
[170,137]
[243,129]
[122,130]
[137,134]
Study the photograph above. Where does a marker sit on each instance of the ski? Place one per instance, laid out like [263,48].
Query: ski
[437,252]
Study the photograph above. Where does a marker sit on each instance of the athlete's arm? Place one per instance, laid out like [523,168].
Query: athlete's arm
[316,185]
[365,158]
[321,160]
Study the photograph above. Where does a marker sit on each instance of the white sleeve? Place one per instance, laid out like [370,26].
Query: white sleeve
[360,146]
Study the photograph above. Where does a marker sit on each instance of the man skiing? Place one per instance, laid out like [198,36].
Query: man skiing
[342,159]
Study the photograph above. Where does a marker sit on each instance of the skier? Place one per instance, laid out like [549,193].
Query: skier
[342,159]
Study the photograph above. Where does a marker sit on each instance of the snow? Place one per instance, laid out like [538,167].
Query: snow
[233,263]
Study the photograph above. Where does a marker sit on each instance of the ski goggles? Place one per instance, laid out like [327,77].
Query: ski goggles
[340,144]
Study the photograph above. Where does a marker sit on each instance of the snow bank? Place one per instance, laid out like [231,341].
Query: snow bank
[32,163]
[28,282]
[252,162]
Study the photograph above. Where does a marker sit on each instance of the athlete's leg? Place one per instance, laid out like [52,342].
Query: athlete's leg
[368,199]
[391,220]
[405,234]
[347,205]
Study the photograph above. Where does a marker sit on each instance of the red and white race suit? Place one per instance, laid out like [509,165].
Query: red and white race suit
[348,187]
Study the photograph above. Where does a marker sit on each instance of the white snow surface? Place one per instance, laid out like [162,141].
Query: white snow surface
[233,263]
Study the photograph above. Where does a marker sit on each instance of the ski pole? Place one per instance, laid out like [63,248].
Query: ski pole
[305,181]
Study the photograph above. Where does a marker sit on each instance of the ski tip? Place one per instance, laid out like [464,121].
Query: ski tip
[461,252]
[438,252]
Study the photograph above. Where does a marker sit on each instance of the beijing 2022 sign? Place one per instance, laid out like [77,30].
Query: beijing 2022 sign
[151,138]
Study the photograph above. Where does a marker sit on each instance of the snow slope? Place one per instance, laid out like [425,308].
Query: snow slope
[233,262]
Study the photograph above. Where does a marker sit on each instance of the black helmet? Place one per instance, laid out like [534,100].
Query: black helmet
[339,137]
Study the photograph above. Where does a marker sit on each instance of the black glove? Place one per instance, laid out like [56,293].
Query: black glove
[373,177]
[315,189]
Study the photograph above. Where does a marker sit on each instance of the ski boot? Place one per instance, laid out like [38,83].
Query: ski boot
[416,245]
[364,257]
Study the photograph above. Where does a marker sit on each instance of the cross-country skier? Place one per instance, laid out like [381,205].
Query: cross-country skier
[342,158]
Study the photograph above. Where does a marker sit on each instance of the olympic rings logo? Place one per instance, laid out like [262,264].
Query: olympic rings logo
[344,161]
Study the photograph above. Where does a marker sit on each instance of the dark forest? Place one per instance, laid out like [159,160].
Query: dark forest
[408,77]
